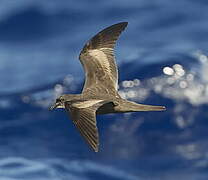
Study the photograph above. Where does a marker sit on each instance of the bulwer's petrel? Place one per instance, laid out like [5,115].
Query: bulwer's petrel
[100,94]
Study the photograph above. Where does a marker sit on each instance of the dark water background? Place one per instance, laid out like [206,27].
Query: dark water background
[162,61]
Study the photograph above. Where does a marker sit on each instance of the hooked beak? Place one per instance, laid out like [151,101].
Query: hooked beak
[55,105]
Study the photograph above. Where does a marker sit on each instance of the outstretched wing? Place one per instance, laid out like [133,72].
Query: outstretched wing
[98,60]
[83,115]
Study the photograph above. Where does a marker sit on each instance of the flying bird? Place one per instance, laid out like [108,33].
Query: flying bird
[100,92]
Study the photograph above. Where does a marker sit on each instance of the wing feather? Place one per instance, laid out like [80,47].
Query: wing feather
[85,120]
[98,60]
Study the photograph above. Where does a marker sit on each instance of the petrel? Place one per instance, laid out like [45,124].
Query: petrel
[100,92]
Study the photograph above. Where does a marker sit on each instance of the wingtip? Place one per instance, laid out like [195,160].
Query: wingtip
[96,148]
[124,23]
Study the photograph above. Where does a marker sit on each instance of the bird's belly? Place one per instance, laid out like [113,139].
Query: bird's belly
[106,108]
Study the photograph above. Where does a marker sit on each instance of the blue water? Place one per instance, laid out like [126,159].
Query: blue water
[162,59]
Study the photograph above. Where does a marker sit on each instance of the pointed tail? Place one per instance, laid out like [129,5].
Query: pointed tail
[128,106]
[142,107]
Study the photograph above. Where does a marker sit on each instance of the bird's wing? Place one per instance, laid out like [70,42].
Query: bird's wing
[98,60]
[83,115]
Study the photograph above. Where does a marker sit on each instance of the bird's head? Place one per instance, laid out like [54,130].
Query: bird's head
[59,102]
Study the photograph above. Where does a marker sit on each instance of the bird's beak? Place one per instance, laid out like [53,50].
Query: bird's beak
[55,105]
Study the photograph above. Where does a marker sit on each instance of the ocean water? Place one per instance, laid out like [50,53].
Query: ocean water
[162,60]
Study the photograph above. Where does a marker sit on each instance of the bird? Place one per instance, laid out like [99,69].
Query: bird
[100,92]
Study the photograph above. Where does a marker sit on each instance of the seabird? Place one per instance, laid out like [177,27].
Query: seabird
[100,93]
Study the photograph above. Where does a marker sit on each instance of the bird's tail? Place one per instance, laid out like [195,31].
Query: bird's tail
[129,106]
[142,107]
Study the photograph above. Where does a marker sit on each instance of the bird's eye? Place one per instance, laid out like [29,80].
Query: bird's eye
[61,98]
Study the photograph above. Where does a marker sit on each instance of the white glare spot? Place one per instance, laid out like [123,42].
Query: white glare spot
[68,80]
[190,77]
[177,67]
[168,70]
[180,72]
[203,58]
[183,84]
[136,82]
[58,89]
[180,122]
[127,84]
[124,83]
